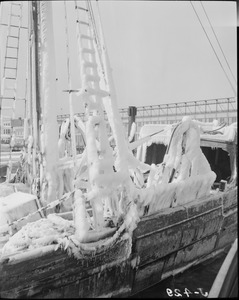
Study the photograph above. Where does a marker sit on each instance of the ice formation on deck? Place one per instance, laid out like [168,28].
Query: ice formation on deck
[184,176]
[109,181]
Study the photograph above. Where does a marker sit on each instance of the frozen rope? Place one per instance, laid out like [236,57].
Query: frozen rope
[73,141]
[215,130]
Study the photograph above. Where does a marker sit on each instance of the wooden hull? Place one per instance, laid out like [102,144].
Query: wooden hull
[163,243]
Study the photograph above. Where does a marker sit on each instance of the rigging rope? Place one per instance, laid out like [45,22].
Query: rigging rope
[73,142]
[40,210]
[213,49]
[218,41]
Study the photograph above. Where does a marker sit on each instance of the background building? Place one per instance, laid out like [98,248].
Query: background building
[12,127]
[5,123]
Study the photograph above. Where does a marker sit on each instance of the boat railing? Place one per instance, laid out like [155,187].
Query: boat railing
[5,228]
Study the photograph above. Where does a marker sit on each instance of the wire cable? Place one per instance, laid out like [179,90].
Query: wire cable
[214,50]
[218,41]
[72,127]
[97,39]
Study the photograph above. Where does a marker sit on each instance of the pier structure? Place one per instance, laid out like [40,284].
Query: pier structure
[222,109]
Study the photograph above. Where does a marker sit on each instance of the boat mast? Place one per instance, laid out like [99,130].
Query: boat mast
[49,130]
[36,66]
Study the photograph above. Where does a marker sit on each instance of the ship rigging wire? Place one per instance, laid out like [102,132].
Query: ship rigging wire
[72,126]
[213,49]
[218,41]
[97,38]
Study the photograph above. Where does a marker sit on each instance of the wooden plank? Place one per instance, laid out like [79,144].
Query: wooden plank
[113,279]
[201,226]
[157,245]
[46,269]
[227,236]
[169,262]
[170,216]
[203,205]
[147,276]
[160,220]
[195,251]
[229,199]
[230,218]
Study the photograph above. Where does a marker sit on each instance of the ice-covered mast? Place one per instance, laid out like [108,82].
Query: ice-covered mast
[49,130]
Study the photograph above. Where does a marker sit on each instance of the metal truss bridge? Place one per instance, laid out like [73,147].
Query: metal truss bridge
[222,109]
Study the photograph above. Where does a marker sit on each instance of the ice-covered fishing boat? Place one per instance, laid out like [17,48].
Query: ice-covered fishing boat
[104,222]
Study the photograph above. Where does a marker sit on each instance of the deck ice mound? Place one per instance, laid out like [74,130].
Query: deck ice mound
[54,230]
[184,175]
[39,233]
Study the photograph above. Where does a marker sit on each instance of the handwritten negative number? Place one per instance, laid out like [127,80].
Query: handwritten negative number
[187,292]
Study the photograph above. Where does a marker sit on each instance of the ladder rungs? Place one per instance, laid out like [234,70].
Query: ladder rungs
[87,50]
[90,77]
[13,36]
[86,37]
[10,68]
[16,26]
[12,98]
[98,92]
[9,89]
[88,64]
[10,78]
[11,57]
[7,107]
[12,47]
[83,23]
[14,15]
[22,27]
[82,8]
[17,4]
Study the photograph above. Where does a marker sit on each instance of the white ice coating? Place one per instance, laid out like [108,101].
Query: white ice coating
[111,108]
[152,133]
[227,133]
[80,125]
[185,174]
[80,217]
[99,154]
[220,133]
[132,131]
[39,233]
[191,181]
[50,130]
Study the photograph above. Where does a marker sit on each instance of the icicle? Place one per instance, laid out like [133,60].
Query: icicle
[132,132]
[80,217]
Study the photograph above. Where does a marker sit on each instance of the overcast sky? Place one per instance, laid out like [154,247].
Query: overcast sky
[158,50]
